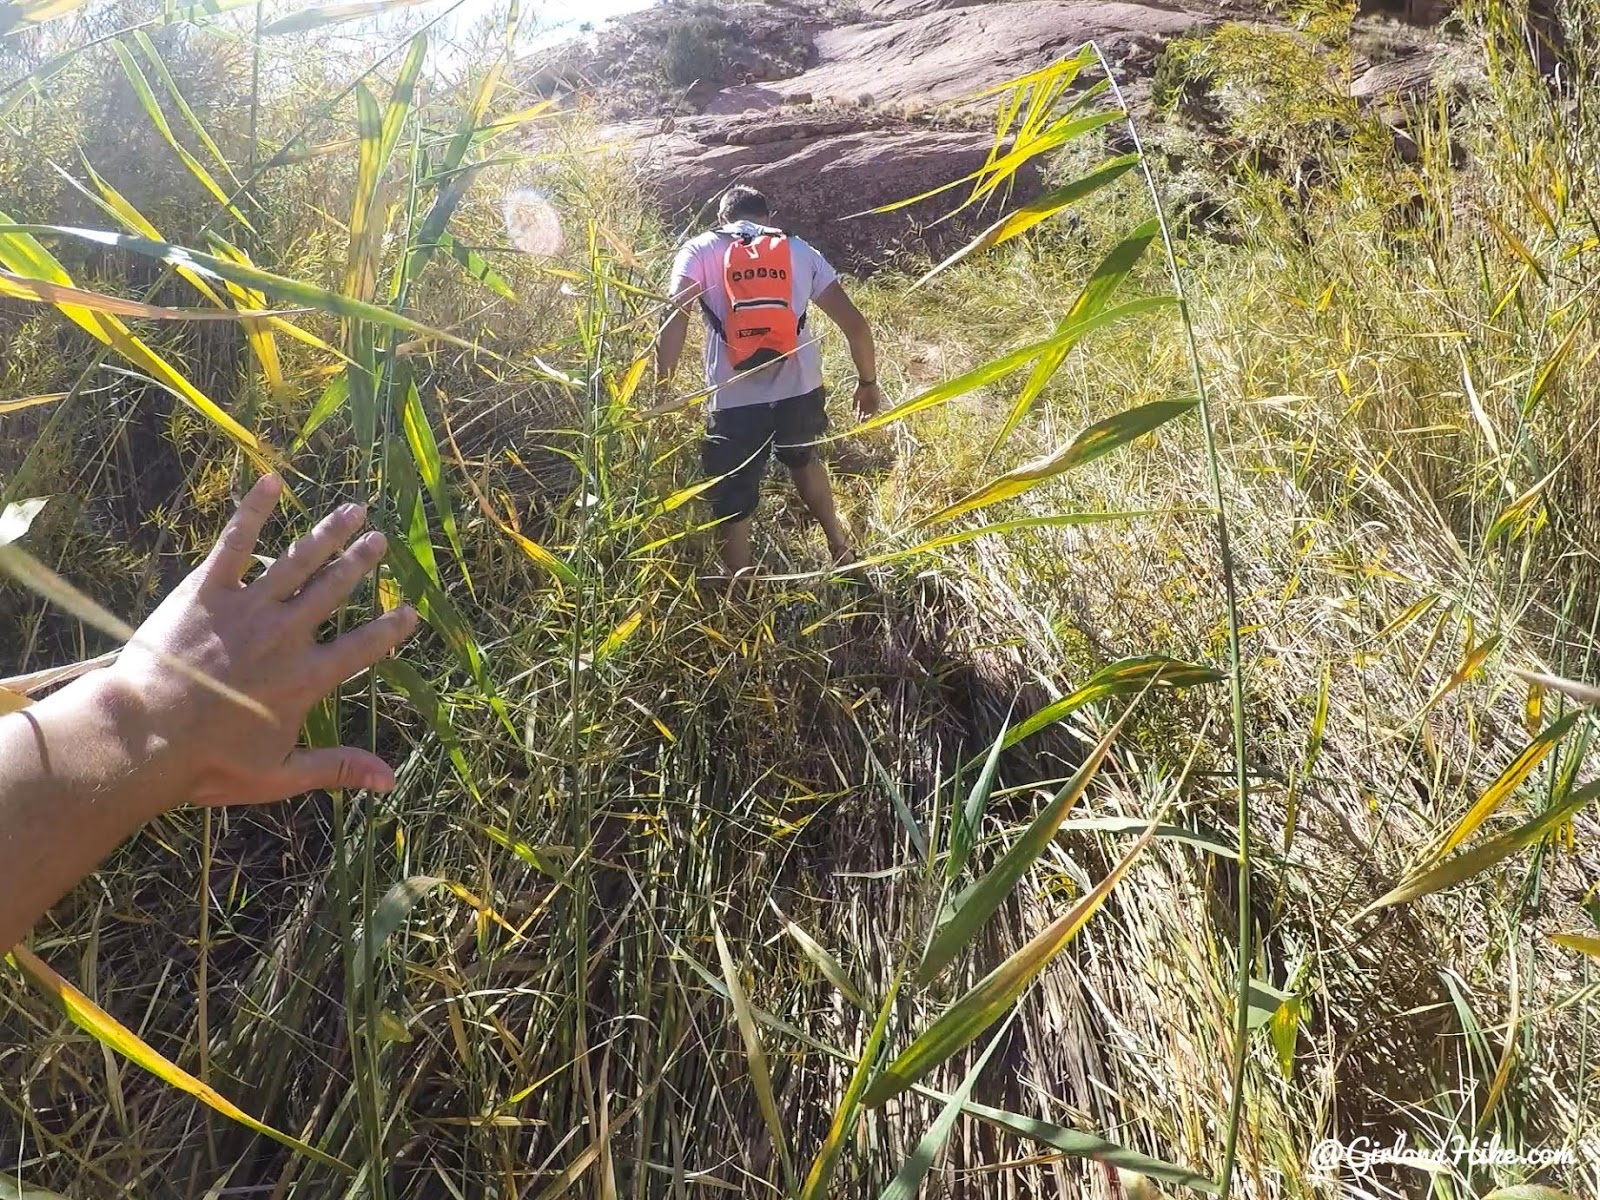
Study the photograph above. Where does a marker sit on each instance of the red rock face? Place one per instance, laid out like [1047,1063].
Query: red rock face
[941,53]
[856,129]
[817,168]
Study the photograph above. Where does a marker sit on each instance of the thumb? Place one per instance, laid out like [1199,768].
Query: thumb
[338,768]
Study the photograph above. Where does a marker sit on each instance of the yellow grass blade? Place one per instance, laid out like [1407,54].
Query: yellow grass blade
[361,270]
[1005,364]
[1533,709]
[1553,364]
[152,108]
[1007,118]
[1410,617]
[18,13]
[1096,294]
[622,391]
[153,57]
[1100,438]
[11,406]
[522,116]
[37,681]
[1070,66]
[110,1032]
[11,702]
[1509,781]
[117,206]
[827,1160]
[755,1054]
[37,577]
[1471,662]
[969,912]
[988,1001]
[1517,516]
[256,331]
[18,288]
[120,209]
[624,630]
[1124,677]
[1517,246]
[1495,850]
[404,95]
[296,292]
[23,256]
[831,968]
[536,552]
[1583,943]
[1016,223]
[1058,134]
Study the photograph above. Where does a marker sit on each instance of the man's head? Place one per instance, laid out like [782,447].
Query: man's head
[741,203]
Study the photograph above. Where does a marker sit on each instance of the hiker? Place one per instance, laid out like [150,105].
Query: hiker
[86,766]
[756,287]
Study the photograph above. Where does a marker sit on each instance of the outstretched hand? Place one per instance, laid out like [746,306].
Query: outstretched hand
[84,767]
[259,639]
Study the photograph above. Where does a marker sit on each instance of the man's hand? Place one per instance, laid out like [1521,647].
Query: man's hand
[260,639]
[869,399]
[85,767]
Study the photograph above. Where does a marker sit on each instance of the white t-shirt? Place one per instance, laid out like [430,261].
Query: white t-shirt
[700,260]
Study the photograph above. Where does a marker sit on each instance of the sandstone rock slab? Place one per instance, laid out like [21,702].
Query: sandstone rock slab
[947,54]
[816,171]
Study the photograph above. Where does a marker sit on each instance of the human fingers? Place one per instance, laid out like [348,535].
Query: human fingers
[362,646]
[332,585]
[230,557]
[308,555]
[337,768]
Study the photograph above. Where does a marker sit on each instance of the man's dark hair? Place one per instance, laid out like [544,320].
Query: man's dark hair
[741,203]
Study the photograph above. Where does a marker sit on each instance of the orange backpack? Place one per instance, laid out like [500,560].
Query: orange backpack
[762,325]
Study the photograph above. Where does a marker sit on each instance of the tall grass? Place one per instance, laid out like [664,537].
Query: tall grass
[934,884]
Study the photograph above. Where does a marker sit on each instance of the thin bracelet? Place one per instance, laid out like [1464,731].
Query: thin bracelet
[866,382]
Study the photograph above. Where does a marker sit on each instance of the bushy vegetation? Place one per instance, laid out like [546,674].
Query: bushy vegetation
[674,895]
[696,50]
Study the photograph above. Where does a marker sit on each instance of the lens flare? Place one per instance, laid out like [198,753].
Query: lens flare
[532,223]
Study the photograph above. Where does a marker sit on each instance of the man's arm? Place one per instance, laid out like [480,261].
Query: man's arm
[669,345]
[82,769]
[842,312]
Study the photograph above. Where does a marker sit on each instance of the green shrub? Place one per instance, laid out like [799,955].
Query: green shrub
[696,50]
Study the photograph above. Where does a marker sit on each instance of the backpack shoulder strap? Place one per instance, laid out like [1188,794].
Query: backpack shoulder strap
[712,319]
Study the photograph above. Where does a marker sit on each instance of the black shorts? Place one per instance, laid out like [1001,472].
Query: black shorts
[739,441]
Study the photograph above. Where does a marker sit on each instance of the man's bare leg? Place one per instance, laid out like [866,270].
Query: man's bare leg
[733,539]
[811,481]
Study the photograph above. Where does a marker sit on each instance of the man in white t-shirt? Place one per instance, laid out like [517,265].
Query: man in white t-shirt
[772,402]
